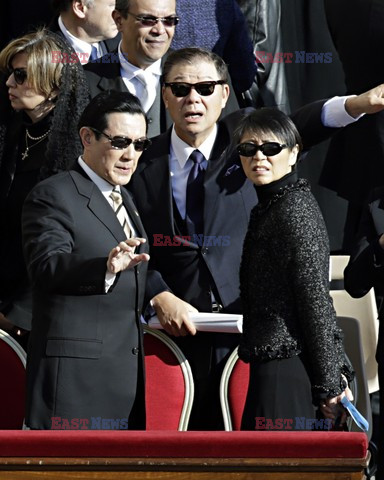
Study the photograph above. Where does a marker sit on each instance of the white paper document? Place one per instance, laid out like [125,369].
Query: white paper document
[210,322]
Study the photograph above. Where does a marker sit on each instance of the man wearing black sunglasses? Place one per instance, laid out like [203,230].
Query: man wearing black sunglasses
[87,255]
[204,270]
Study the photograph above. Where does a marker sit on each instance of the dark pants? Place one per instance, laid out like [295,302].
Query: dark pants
[278,390]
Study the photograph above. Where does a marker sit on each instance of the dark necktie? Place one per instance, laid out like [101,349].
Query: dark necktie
[195,195]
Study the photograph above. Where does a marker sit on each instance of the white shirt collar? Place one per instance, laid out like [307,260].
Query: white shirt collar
[80,46]
[130,71]
[182,150]
[104,186]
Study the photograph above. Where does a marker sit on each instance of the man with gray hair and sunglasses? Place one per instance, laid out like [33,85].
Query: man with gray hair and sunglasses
[195,202]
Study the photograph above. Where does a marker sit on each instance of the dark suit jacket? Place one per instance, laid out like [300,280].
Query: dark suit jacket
[85,356]
[104,74]
[366,265]
[359,55]
[190,271]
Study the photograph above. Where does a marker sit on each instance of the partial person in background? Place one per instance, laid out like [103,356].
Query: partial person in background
[219,26]
[290,336]
[269,87]
[87,25]
[38,132]
[147,28]
[364,271]
[354,163]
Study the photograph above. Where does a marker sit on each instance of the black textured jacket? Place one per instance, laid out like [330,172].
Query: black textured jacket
[284,280]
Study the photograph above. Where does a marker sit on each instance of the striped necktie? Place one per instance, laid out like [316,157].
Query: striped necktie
[121,212]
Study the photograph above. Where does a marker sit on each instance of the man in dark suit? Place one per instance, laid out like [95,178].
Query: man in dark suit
[137,63]
[87,25]
[88,272]
[364,271]
[343,170]
[204,270]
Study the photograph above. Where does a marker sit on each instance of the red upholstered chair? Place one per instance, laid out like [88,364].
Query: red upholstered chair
[169,386]
[233,391]
[12,377]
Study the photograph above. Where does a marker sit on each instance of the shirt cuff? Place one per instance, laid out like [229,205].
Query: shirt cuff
[334,115]
[109,281]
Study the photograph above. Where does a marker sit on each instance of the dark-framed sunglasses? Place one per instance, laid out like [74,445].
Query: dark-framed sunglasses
[268,149]
[119,142]
[151,20]
[19,74]
[182,89]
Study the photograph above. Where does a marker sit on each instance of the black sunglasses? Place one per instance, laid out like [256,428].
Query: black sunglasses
[120,142]
[269,149]
[182,89]
[19,74]
[151,20]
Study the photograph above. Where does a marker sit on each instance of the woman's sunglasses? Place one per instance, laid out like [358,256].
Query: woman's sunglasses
[19,74]
[151,20]
[269,149]
[119,142]
[182,89]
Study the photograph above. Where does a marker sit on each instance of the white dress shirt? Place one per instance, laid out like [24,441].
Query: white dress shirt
[180,166]
[151,76]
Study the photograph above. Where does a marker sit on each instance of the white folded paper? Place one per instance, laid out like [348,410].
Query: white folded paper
[210,322]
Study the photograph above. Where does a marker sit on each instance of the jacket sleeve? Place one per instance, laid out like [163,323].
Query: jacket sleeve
[366,264]
[308,274]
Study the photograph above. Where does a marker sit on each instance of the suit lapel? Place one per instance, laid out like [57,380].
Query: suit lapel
[157,179]
[132,213]
[116,83]
[97,203]
[211,187]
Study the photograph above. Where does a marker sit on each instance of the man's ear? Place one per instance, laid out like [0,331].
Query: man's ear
[164,95]
[86,136]
[78,8]
[118,18]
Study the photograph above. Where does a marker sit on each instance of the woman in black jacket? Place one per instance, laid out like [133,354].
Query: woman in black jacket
[289,335]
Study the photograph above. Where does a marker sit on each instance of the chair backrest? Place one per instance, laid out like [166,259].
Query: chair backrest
[169,386]
[233,391]
[354,351]
[12,377]
[364,310]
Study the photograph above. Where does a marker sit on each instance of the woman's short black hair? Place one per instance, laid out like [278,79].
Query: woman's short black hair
[96,113]
[264,121]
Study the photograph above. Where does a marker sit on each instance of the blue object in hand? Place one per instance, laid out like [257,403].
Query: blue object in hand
[360,421]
